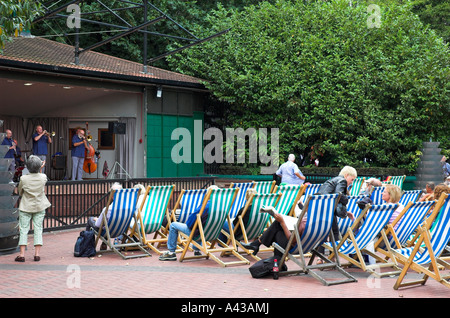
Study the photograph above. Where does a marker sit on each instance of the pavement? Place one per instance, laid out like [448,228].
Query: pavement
[107,276]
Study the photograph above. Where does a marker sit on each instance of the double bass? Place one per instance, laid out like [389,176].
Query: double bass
[89,165]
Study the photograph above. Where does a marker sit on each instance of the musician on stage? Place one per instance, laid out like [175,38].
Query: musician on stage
[41,138]
[12,149]
[79,144]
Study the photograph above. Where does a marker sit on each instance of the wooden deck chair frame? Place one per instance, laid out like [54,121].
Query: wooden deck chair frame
[289,207]
[411,260]
[353,235]
[265,186]
[239,202]
[151,214]
[409,220]
[105,233]
[311,246]
[257,221]
[356,186]
[209,234]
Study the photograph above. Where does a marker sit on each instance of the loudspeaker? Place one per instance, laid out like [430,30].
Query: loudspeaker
[59,162]
[115,127]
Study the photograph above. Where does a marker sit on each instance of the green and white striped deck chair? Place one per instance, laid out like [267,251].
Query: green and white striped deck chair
[290,194]
[123,206]
[397,180]
[409,196]
[357,239]
[408,221]
[319,213]
[239,202]
[264,186]
[257,221]
[151,215]
[423,257]
[356,186]
[221,201]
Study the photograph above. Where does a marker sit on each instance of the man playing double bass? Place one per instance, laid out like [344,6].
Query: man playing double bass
[79,144]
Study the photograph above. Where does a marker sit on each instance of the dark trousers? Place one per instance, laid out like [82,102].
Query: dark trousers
[274,234]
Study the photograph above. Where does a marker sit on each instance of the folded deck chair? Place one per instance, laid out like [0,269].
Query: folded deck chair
[319,210]
[376,195]
[356,186]
[352,206]
[256,221]
[409,196]
[290,194]
[408,221]
[265,186]
[239,202]
[358,237]
[423,256]
[397,180]
[208,241]
[151,215]
[123,207]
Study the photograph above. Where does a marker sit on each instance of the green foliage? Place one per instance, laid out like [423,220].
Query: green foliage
[335,88]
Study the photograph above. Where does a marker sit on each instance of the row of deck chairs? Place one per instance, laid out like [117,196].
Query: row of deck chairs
[357,185]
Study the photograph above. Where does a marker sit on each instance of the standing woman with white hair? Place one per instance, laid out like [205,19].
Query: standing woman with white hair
[32,206]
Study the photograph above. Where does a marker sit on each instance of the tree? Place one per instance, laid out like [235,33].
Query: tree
[336,87]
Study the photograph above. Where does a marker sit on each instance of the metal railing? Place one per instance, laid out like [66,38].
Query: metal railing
[73,202]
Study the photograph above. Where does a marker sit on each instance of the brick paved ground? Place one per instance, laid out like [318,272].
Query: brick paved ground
[60,275]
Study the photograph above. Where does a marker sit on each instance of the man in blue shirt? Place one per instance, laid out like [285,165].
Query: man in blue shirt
[40,141]
[445,167]
[78,146]
[12,149]
[290,173]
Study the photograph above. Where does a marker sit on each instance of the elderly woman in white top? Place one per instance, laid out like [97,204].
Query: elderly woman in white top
[32,206]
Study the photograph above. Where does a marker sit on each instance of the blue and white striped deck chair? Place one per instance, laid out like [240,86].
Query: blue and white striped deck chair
[264,186]
[290,194]
[152,213]
[408,221]
[240,200]
[319,213]
[376,195]
[312,189]
[345,224]
[123,206]
[358,237]
[356,186]
[188,201]
[221,201]
[256,222]
[423,257]
[409,196]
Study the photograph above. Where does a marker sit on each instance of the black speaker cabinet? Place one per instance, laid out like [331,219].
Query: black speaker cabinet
[59,162]
[116,127]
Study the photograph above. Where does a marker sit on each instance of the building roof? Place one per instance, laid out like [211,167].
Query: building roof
[34,53]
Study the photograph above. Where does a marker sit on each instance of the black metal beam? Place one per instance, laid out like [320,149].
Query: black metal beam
[55,11]
[186,46]
[118,36]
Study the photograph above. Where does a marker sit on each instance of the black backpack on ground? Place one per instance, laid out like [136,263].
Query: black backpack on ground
[85,244]
[264,268]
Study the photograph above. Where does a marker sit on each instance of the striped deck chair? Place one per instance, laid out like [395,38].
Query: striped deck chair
[290,194]
[376,195]
[423,257]
[123,207]
[397,180]
[345,224]
[151,215]
[312,189]
[319,211]
[221,201]
[264,186]
[358,237]
[356,186]
[240,197]
[257,221]
[408,221]
[410,196]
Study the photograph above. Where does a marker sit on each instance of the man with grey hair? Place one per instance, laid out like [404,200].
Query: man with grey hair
[290,173]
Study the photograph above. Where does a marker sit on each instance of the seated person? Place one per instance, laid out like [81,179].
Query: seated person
[428,193]
[369,185]
[95,222]
[185,228]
